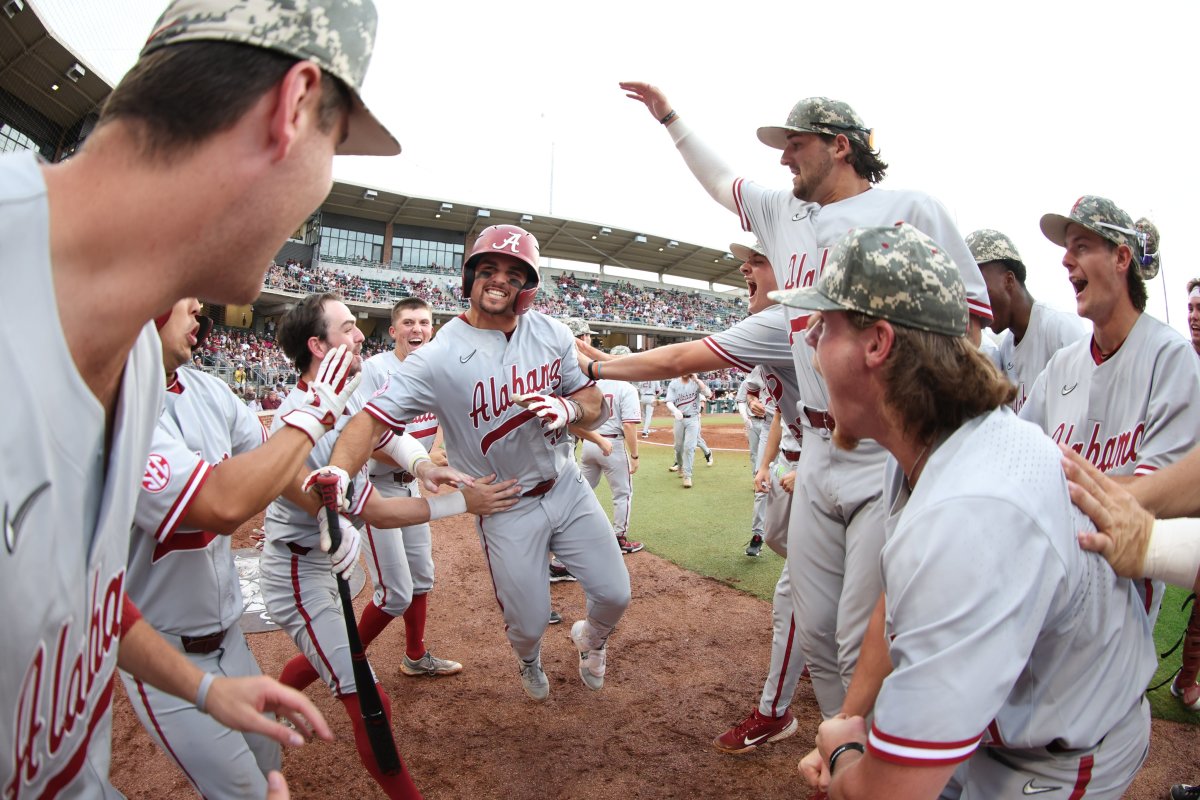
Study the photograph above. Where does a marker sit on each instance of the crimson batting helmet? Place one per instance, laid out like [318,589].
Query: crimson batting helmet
[513,241]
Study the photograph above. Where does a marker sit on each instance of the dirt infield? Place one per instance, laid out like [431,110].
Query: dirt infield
[687,661]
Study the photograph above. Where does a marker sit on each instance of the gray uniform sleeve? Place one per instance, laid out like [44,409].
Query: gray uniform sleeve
[628,407]
[174,474]
[761,338]
[404,394]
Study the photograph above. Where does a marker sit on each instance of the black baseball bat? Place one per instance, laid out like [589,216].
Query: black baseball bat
[379,732]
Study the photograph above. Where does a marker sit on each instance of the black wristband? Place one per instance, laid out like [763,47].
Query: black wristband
[670,115]
[837,752]
[588,371]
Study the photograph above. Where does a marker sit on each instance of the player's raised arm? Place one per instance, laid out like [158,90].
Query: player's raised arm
[669,361]
[709,169]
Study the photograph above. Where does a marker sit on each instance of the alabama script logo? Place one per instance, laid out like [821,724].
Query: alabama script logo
[1109,454]
[490,400]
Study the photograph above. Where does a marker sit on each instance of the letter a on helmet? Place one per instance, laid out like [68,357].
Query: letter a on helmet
[513,241]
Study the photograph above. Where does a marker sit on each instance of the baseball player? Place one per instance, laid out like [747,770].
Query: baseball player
[1031,330]
[1123,397]
[621,462]
[505,382]
[206,474]
[754,415]
[648,394]
[683,401]
[837,520]
[1066,646]
[400,560]
[298,589]
[248,117]
[1193,290]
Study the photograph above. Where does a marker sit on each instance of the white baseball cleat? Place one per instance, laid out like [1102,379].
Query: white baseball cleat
[687,482]
[592,659]
[533,679]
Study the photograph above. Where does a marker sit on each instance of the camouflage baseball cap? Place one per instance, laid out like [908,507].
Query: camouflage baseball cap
[744,252]
[338,35]
[989,245]
[1107,220]
[620,350]
[818,115]
[579,326]
[893,273]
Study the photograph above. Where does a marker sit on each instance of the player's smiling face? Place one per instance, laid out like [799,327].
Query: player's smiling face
[1194,318]
[1094,269]
[340,329]
[811,163]
[499,278]
[760,279]
[839,358]
[411,331]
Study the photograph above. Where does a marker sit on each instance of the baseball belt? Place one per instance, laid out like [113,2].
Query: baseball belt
[613,435]
[792,455]
[819,419]
[541,488]
[403,476]
[298,549]
[203,644]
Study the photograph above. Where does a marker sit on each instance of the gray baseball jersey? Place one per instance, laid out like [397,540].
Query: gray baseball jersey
[68,504]
[1130,414]
[1064,642]
[184,580]
[469,376]
[623,408]
[686,397]
[1049,331]
[756,435]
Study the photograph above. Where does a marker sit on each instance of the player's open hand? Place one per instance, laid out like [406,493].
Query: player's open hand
[433,477]
[485,497]
[814,770]
[553,411]
[239,703]
[1123,526]
[650,96]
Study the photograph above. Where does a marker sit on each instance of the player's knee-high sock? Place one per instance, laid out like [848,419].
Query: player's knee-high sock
[414,626]
[1191,650]
[372,622]
[298,673]
[399,786]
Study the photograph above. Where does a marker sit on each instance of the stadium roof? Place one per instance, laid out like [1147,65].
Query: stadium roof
[36,67]
[573,240]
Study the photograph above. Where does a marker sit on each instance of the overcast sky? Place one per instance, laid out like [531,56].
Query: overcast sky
[1004,112]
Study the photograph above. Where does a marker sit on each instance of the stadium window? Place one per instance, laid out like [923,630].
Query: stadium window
[12,140]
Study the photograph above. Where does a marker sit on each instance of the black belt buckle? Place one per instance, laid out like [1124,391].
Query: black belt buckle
[403,477]
[203,644]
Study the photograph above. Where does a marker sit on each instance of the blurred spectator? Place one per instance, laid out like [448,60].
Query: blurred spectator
[271,401]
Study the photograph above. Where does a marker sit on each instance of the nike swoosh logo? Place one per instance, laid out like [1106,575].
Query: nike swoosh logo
[12,527]
[1066,391]
[800,215]
[466,358]
[1030,788]
[749,742]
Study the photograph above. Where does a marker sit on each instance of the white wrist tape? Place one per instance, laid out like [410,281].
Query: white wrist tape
[202,692]
[405,451]
[1173,553]
[446,505]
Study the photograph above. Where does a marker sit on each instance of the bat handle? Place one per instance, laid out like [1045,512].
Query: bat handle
[327,485]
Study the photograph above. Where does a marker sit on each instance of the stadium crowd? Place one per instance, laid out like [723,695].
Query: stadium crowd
[608,301]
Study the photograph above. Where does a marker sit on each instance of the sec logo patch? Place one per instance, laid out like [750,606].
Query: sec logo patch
[158,474]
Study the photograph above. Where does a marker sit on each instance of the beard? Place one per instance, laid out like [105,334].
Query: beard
[842,441]
[804,185]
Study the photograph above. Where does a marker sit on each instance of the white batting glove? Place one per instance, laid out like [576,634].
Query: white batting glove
[344,557]
[678,414]
[310,482]
[328,394]
[554,412]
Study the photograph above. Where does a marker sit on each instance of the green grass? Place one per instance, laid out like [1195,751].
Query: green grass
[705,530]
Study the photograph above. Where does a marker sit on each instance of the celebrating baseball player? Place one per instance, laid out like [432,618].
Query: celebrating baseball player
[837,521]
[1123,398]
[401,560]
[1193,317]
[648,394]
[621,462]
[298,587]
[1031,330]
[245,105]
[181,571]
[505,383]
[1051,626]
